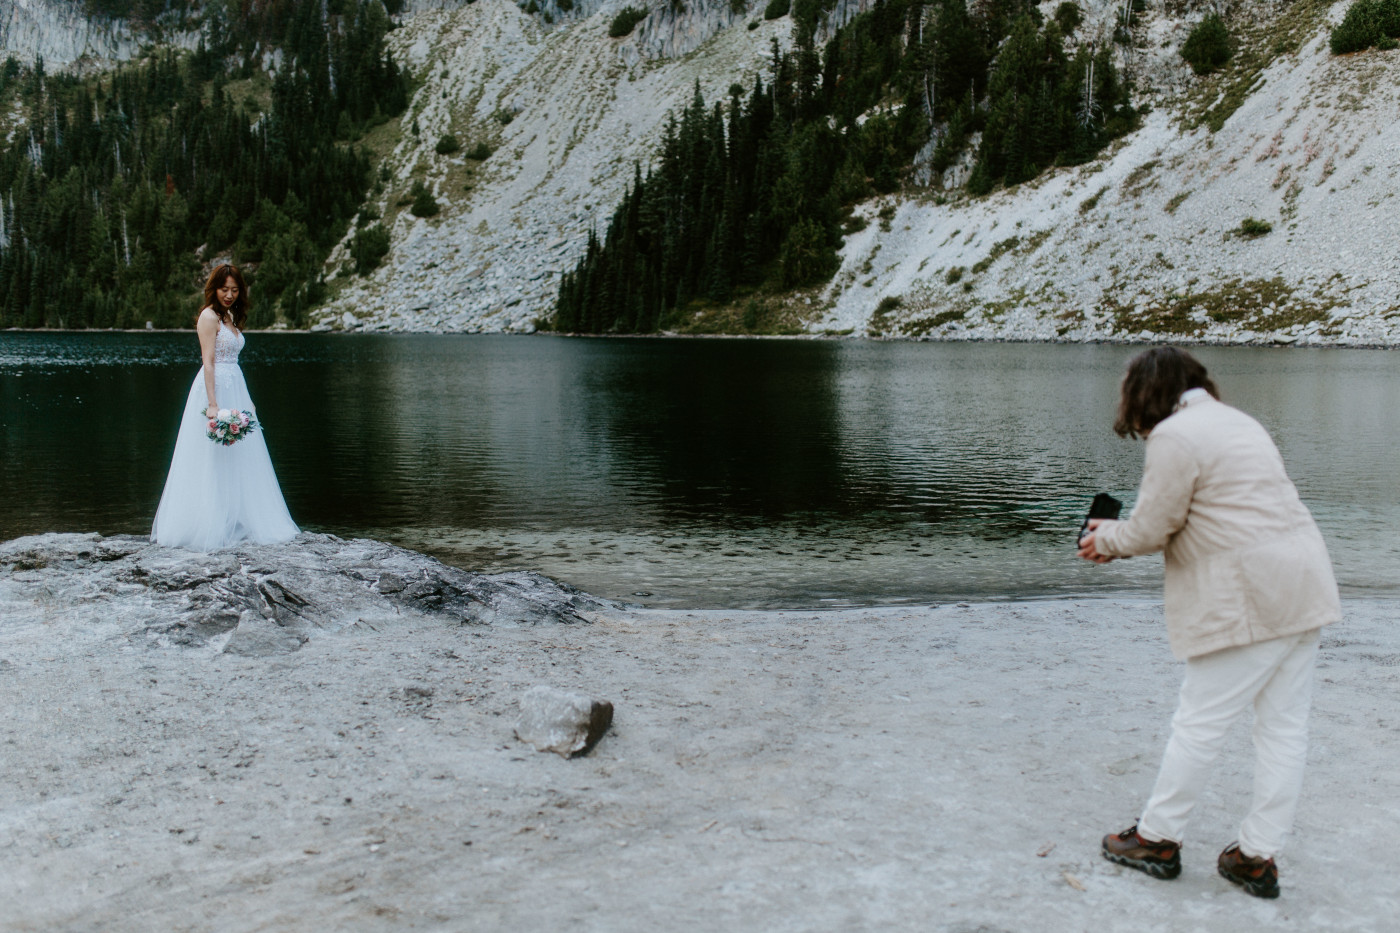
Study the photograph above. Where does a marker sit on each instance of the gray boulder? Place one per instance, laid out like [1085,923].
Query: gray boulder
[265,599]
[562,722]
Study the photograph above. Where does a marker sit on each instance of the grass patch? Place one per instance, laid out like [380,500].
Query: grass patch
[924,325]
[1176,201]
[999,249]
[1091,202]
[1035,241]
[1251,304]
[1251,227]
[761,315]
[1137,181]
[880,321]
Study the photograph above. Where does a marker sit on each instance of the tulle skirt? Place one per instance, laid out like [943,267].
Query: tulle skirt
[216,496]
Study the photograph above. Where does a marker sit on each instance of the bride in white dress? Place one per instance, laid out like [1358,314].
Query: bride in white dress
[216,496]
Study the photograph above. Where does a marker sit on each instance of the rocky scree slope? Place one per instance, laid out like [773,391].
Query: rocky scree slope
[1143,244]
[1151,242]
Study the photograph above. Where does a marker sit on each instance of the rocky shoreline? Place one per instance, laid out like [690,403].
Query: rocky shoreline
[269,599]
[1311,339]
[324,735]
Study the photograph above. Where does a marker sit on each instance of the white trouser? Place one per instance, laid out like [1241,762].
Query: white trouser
[1275,676]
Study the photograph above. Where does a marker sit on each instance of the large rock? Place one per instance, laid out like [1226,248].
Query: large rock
[263,599]
[562,722]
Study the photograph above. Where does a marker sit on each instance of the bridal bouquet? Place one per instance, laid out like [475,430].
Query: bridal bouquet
[231,425]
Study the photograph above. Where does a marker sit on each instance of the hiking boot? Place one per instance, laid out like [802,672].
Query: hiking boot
[1158,859]
[1258,876]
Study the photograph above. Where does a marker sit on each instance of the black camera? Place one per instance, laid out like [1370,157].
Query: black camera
[1103,506]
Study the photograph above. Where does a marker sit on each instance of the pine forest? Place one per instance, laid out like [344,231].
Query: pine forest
[119,184]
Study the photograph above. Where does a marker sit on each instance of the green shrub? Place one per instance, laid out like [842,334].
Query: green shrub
[1250,227]
[479,153]
[368,248]
[1367,23]
[1207,46]
[953,275]
[447,144]
[424,204]
[564,5]
[625,21]
[777,9]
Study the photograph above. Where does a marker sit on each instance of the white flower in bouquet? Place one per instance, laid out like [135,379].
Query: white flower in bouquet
[230,425]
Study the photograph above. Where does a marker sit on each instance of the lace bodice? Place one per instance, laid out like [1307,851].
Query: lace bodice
[227,344]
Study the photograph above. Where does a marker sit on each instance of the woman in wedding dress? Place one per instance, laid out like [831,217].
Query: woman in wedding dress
[216,496]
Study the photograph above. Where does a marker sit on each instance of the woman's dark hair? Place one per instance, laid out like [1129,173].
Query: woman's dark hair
[1153,385]
[239,310]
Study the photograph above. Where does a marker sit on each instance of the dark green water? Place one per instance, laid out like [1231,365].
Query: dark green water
[698,472]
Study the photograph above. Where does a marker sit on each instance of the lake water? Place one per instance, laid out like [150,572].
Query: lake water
[705,473]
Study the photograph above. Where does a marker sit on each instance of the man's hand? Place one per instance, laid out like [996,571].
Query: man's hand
[1086,545]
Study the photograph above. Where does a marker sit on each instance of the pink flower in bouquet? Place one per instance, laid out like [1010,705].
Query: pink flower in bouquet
[235,427]
[213,425]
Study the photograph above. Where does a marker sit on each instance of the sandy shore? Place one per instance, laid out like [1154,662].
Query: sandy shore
[932,768]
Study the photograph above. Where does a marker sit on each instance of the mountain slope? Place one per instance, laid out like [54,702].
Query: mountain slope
[1142,243]
[581,110]
[1148,242]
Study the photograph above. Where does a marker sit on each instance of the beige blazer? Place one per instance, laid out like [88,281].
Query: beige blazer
[1244,559]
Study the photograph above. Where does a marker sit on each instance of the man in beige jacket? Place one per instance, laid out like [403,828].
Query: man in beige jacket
[1248,587]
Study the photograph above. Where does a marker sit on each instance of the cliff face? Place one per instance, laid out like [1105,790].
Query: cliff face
[60,33]
[63,35]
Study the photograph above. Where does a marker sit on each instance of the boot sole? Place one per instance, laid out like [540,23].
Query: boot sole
[1257,888]
[1163,870]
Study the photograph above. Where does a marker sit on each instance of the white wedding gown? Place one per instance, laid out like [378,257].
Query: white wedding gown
[216,496]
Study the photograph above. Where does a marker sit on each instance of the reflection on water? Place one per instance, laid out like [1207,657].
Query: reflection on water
[696,472]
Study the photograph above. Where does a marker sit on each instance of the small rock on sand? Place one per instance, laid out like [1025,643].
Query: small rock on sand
[563,722]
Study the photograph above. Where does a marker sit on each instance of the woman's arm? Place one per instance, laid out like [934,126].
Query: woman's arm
[208,329]
[1164,499]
